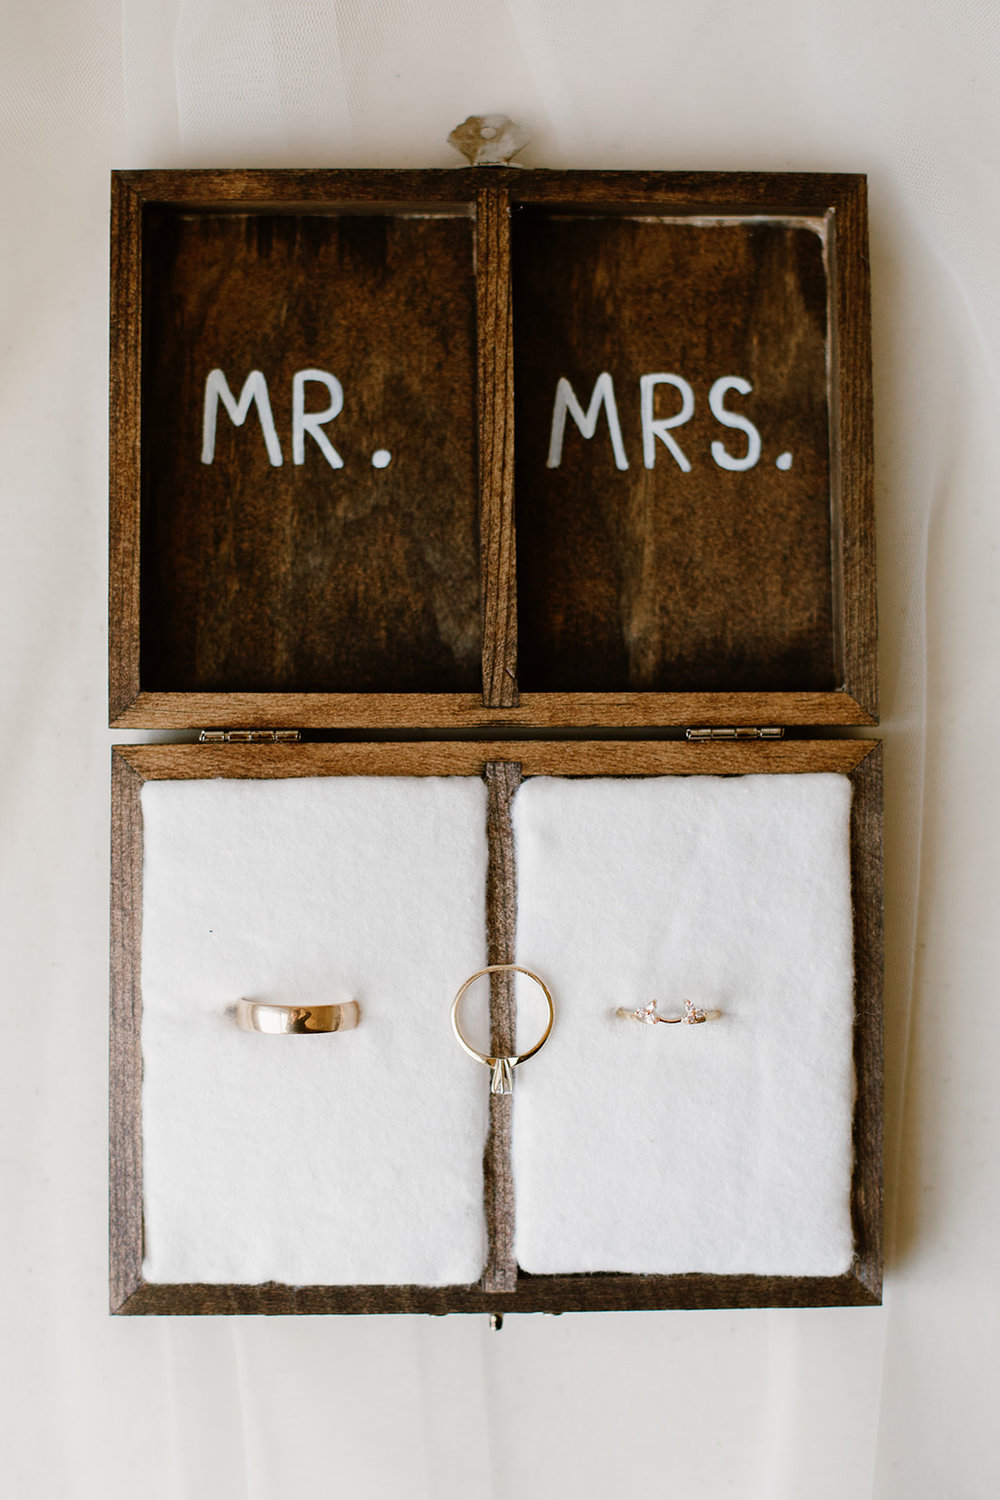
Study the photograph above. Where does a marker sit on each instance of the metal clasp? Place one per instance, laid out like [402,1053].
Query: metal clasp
[488,140]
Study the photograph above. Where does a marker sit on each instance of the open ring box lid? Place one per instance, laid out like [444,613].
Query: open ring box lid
[480,578]
[486,450]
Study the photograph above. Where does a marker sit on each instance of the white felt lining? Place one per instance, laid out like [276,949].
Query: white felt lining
[724,1147]
[332,1159]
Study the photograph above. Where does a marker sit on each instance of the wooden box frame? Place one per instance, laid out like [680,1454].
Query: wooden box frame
[490,194]
[503,1288]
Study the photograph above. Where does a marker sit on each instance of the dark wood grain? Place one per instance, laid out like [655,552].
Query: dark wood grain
[852,445]
[125,1110]
[710,193]
[502,780]
[657,578]
[124,448]
[155,198]
[467,713]
[317,188]
[306,576]
[691,192]
[534,1294]
[136,763]
[470,758]
[866,886]
[496,447]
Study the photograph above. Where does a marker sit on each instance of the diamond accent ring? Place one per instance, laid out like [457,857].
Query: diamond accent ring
[650,1016]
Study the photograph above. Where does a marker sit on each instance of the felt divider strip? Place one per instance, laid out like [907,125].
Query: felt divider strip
[502,780]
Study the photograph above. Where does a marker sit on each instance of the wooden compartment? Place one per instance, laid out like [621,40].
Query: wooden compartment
[495,571]
[708,565]
[347,567]
[503,1286]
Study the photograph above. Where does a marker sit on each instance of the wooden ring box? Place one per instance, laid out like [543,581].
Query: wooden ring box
[602,443]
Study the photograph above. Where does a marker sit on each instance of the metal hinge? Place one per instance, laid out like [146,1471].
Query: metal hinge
[249,736]
[772,732]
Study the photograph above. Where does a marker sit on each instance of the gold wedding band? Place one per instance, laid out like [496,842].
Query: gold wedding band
[501,1068]
[299,1020]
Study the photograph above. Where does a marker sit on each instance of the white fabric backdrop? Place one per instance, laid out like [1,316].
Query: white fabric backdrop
[819,1405]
